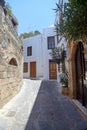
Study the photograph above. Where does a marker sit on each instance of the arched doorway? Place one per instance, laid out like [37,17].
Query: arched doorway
[80,73]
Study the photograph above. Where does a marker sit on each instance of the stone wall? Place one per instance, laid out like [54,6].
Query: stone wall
[72,46]
[11,59]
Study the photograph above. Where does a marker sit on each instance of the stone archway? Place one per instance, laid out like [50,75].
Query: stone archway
[76,63]
[71,68]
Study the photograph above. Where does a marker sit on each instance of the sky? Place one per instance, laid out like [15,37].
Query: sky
[33,15]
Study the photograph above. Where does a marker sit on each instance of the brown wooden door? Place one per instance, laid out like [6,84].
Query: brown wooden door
[52,70]
[80,73]
[32,69]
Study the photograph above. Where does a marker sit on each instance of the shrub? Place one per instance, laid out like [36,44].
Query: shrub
[64,78]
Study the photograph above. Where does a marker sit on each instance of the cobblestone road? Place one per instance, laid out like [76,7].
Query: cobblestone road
[53,111]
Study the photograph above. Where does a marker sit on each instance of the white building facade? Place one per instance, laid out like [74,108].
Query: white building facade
[37,59]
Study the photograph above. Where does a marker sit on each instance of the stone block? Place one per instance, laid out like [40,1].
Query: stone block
[3,75]
[2,68]
[10,74]
[4,81]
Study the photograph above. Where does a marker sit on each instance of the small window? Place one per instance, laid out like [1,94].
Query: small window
[51,42]
[13,62]
[25,67]
[29,51]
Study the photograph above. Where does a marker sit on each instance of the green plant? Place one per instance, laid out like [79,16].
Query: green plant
[58,55]
[64,78]
[30,34]
[8,8]
[73,25]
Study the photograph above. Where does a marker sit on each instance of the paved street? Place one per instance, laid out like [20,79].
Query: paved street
[53,111]
[14,115]
[40,106]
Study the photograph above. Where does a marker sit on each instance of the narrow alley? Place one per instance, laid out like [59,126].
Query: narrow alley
[53,111]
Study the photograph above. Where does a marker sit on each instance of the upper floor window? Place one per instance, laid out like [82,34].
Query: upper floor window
[29,51]
[51,42]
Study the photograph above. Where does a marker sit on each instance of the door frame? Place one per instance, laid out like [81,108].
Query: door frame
[79,57]
[52,71]
[33,70]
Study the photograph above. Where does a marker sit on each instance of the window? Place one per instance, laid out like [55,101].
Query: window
[13,62]
[51,42]
[25,67]
[29,51]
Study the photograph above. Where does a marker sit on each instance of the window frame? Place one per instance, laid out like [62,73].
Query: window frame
[25,67]
[51,45]
[29,51]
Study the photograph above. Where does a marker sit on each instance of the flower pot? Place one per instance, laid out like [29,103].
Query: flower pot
[65,90]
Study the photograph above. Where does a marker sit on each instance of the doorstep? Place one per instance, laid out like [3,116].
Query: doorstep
[80,107]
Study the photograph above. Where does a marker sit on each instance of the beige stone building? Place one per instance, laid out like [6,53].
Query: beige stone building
[77,66]
[77,63]
[11,56]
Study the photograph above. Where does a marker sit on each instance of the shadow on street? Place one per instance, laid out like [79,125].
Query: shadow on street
[53,111]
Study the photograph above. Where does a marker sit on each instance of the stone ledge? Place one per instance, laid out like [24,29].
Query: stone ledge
[81,108]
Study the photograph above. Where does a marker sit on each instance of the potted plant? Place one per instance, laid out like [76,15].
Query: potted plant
[64,82]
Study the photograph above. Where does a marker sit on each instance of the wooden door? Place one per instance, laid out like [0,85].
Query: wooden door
[80,73]
[52,70]
[32,69]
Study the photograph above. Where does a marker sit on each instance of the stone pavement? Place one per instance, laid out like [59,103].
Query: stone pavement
[53,111]
[40,106]
[14,115]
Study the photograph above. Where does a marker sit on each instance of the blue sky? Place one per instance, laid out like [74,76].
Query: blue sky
[33,14]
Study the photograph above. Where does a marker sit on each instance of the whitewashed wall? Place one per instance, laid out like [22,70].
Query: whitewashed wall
[50,31]
[40,52]
[36,43]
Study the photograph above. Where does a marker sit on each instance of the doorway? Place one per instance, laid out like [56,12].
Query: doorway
[32,69]
[52,70]
[80,71]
